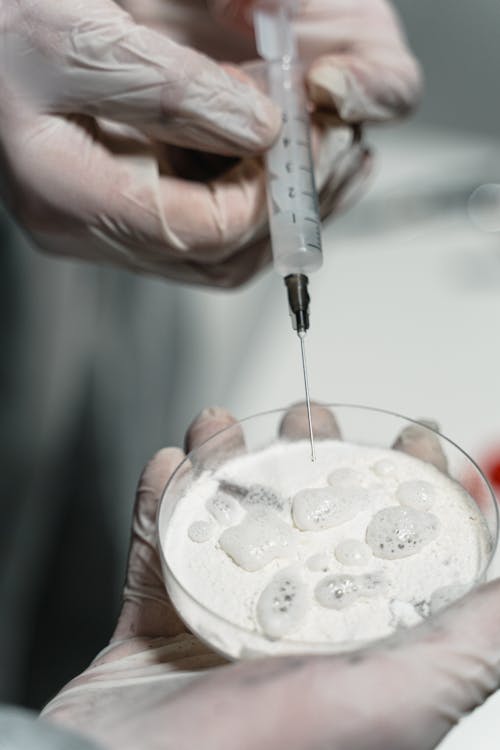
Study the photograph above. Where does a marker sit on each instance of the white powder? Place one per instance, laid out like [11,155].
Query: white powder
[344,584]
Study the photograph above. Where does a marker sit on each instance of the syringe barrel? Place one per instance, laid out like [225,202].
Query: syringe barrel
[294,220]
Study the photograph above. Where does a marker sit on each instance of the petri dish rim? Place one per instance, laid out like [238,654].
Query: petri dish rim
[315,646]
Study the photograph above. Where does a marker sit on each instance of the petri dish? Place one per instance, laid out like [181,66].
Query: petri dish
[219,600]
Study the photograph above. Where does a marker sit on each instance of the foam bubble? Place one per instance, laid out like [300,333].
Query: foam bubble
[352,552]
[283,603]
[341,591]
[321,508]
[399,532]
[224,509]
[201,531]
[258,539]
[416,494]
[318,562]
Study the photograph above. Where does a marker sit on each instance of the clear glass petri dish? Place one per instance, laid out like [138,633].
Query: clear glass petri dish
[360,425]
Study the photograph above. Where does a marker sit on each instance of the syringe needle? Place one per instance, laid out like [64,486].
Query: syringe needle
[302,335]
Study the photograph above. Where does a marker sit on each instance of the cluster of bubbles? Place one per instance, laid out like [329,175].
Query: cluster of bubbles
[261,526]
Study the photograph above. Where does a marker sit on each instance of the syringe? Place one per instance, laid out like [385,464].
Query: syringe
[295,225]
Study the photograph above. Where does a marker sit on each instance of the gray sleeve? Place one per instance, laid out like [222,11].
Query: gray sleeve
[23,730]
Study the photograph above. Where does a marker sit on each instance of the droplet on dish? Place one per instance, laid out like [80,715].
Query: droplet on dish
[341,591]
[201,531]
[315,509]
[352,552]
[399,532]
[224,509]
[416,494]
[258,539]
[283,603]
[318,562]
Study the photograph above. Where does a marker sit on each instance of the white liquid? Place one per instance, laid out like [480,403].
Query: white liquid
[344,549]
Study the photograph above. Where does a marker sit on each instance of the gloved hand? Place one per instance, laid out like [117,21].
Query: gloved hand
[404,693]
[91,103]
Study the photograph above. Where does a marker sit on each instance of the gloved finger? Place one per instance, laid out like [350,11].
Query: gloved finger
[412,689]
[332,145]
[147,610]
[106,65]
[295,423]
[129,254]
[89,192]
[341,172]
[404,693]
[224,212]
[228,210]
[345,188]
[211,233]
[228,274]
[359,64]
[207,423]
[116,190]
[211,425]
[421,441]
[239,12]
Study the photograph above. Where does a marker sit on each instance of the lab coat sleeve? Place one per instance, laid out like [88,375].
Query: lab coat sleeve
[22,730]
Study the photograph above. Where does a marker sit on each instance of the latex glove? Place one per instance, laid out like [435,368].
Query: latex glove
[358,70]
[86,96]
[358,64]
[109,191]
[404,693]
[357,61]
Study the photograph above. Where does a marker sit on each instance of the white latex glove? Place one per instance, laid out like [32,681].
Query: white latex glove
[89,100]
[357,63]
[404,693]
